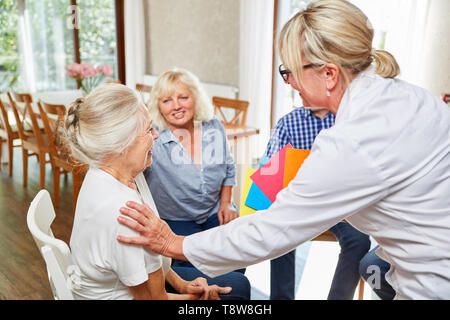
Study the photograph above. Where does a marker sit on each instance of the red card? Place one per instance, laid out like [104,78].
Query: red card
[269,177]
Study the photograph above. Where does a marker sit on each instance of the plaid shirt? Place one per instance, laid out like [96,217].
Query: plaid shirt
[299,128]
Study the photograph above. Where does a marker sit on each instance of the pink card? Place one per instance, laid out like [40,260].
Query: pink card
[269,177]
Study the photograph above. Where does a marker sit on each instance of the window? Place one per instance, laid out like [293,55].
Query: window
[51,44]
[9,54]
[285,98]
[292,95]
[38,41]
[97,32]
[379,19]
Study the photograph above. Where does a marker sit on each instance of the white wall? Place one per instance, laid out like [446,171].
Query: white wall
[418,37]
[436,44]
[199,35]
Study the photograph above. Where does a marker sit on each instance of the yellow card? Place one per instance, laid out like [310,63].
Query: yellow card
[244,210]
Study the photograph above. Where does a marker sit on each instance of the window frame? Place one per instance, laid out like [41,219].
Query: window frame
[120,39]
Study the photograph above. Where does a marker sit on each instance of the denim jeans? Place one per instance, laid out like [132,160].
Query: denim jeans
[185,228]
[369,265]
[354,245]
[236,280]
[282,277]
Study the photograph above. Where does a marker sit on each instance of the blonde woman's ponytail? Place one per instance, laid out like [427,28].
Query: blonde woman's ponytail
[387,66]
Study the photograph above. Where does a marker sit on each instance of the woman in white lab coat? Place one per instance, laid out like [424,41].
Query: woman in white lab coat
[384,166]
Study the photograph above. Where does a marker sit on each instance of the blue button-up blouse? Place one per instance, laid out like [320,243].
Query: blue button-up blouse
[182,190]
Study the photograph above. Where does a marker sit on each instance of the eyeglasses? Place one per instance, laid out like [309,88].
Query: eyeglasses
[284,73]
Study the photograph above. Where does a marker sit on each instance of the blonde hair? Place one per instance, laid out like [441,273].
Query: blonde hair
[333,31]
[166,85]
[104,123]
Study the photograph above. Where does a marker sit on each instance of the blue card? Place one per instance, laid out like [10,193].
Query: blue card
[256,199]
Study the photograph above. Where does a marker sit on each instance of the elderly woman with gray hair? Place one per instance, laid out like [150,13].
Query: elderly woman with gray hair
[111,131]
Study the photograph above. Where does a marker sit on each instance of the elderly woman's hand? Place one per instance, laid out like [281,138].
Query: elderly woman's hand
[155,234]
[226,213]
[209,292]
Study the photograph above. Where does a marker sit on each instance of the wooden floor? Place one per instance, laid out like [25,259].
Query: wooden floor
[22,269]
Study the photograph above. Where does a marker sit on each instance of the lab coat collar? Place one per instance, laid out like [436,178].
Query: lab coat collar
[363,81]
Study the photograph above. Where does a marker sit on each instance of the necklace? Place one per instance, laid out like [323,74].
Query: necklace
[129,182]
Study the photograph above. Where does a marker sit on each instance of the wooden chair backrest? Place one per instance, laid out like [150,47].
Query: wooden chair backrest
[18,115]
[325,236]
[145,91]
[36,129]
[5,127]
[240,107]
[49,131]
[22,97]
[113,81]
[143,87]
[57,148]
[55,109]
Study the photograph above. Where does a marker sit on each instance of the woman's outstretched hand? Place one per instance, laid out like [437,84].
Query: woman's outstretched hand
[208,292]
[155,234]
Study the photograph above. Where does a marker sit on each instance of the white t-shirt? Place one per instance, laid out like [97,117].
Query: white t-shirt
[108,267]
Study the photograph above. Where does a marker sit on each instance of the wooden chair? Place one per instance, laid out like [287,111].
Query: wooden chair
[59,155]
[325,236]
[329,236]
[113,81]
[34,140]
[145,91]
[239,106]
[143,87]
[58,110]
[8,134]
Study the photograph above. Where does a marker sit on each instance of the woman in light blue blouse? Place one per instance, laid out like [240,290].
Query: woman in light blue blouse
[193,171]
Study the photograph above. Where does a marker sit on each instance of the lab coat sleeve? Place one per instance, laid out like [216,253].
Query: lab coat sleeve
[335,181]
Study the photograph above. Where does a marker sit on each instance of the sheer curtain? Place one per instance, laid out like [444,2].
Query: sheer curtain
[416,33]
[256,28]
[419,39]
[404,23]
[45,45]
[134,42]
[406,36]
[283,102]
[27,67]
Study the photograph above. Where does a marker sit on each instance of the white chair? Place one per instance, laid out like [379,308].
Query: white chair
[55,252]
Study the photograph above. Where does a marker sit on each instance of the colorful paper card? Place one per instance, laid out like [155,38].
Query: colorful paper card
[293,162]
[263,161]
[256,199]
[244,210]
[270,176]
